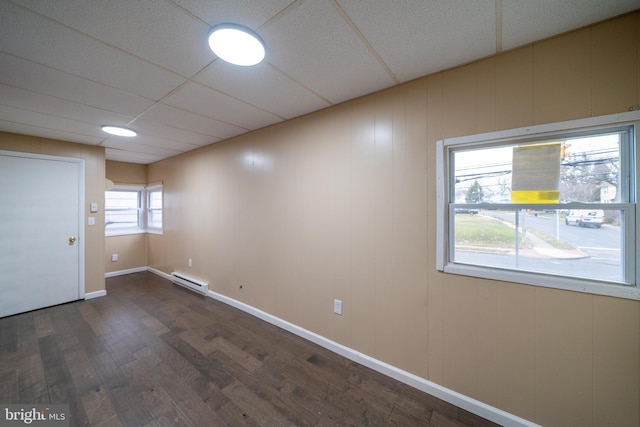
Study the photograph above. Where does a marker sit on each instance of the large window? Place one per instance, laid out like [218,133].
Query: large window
[551,205]
[133,209]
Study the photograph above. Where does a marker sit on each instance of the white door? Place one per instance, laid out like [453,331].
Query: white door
[39,231]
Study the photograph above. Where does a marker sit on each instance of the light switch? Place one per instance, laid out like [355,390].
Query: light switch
[92,220]
[94,207]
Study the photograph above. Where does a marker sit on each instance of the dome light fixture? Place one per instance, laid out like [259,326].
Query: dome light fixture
[236,44]
[119,131]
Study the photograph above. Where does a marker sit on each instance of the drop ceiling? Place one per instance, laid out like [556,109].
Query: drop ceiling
[67,67]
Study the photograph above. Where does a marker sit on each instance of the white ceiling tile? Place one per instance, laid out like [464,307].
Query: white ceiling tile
[163,143]
[40,130]
[404,35]
[185,120]
[38,78]
[183,138]
[524,22]
[66,66]
[139,144]
[264,87]
[131,156]
[316,47]
[250,13]
[27,35]
[38,102]
[153,30]
[216,105]
[27,117]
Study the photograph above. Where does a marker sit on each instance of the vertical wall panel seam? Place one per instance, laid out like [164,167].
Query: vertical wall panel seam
[593,362]
[533,84]
[426,193]
[535,355]
[591,78]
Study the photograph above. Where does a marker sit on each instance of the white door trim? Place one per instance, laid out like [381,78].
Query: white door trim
[81,198]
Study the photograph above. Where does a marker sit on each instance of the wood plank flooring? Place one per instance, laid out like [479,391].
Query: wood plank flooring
[153,354]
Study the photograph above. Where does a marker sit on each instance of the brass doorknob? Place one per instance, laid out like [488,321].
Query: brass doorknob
[72,240]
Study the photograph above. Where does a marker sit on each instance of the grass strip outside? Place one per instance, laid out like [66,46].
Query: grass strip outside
[485,232]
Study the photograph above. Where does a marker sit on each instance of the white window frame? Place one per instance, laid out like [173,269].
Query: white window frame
[143,210]
[444,215]
[148,190]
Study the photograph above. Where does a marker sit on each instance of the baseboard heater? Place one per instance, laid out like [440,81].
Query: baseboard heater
[190,283]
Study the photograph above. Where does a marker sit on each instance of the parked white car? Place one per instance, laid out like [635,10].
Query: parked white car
[585,217]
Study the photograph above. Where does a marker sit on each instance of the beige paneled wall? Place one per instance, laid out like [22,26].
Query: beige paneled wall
[614,64]
[539,353]
[94,193]
[126,173]
[341,204]
[131,248]
[328,206]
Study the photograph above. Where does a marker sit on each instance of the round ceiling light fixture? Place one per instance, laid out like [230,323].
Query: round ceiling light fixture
[236,44]
[119,131]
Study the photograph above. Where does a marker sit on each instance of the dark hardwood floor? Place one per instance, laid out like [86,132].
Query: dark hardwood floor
[154,354]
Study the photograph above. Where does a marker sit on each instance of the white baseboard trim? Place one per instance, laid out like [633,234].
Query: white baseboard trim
[123,272]
[474,406]
[96,294]
[159,273]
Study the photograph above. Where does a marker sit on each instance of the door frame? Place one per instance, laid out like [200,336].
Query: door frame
[81,198]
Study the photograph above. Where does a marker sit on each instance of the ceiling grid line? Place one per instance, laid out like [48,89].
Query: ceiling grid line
[364,40]
[288,77]
[71,66]
[97,40]
[287,10]
[171,92]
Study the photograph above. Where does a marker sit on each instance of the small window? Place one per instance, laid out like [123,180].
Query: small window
[154,209]
[133,209]
[551,205]
[123,211]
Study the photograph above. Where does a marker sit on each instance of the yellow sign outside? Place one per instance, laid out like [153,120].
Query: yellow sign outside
[535,176]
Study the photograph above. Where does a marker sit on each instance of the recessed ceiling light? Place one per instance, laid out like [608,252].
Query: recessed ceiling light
[119,131]
[236,44]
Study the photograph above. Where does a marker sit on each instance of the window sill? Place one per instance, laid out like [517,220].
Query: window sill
[547,281]
[124,233]
[131,232]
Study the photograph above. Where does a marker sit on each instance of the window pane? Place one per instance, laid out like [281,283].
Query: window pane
[154,213]
[483,175]
[155,199]
[585,170]
[591,170]
[575,243]
[155,219]
[122,209]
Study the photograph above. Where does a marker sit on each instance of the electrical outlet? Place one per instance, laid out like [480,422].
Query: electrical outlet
[337,306]
[114,257]
[190,263]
